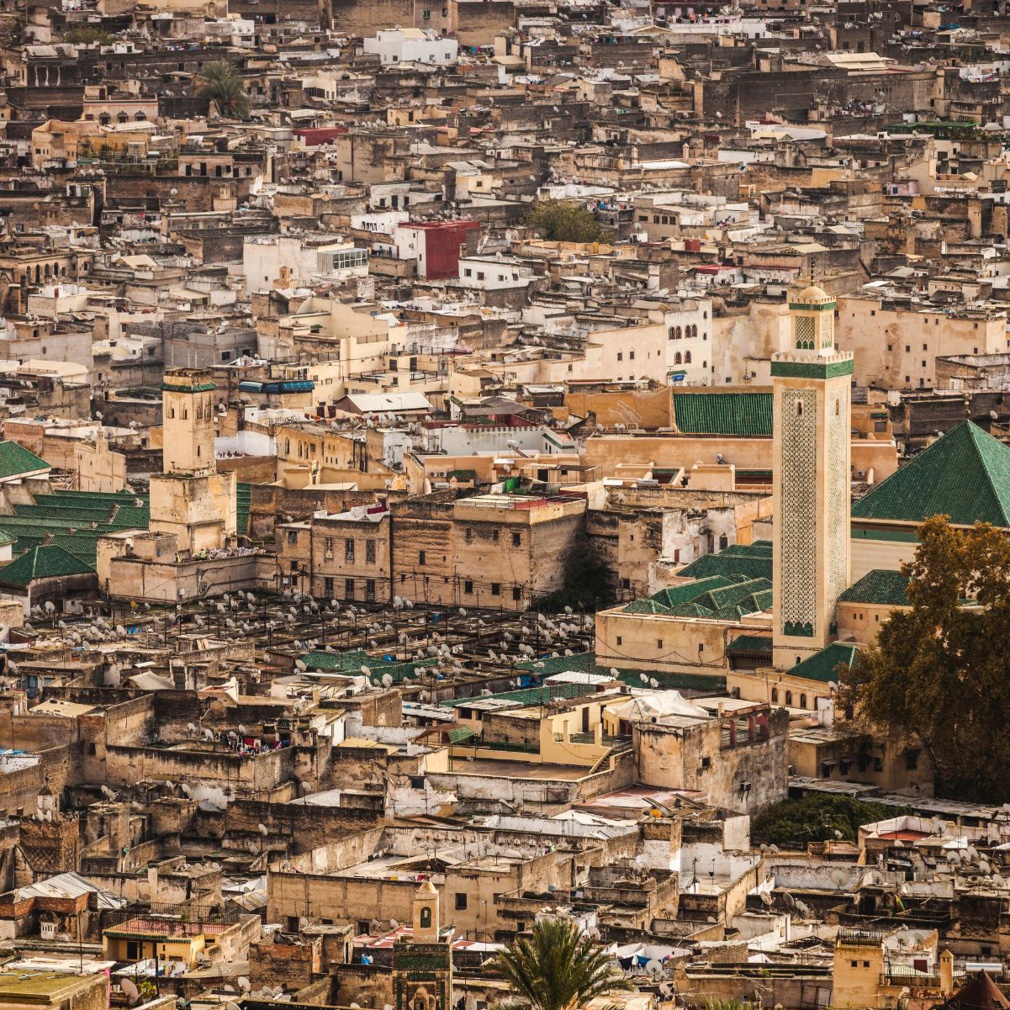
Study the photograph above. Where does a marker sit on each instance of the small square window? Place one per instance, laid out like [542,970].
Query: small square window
[516,539]
[460,901]
[468,587]
[496,589]
[421,557]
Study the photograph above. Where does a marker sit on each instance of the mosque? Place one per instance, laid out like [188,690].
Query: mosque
[775,618]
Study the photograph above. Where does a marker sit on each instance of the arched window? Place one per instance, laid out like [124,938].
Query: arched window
[425,918]
[678,359]
[789,697]
[799,408]
[775,695]
[803,701]
[678,333]
[687,357]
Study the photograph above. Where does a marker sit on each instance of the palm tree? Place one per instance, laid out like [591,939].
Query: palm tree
[223,86]
[556,968]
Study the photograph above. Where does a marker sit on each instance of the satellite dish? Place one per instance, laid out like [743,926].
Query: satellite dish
[132,992]
[766,898]
[838,878]
[654,969]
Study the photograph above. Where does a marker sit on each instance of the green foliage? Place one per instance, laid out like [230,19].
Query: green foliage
[726,1004]
[85,35]
[588,581]
[556,968]
[12,31]
[793,823]
[221,83]
[940,672]
[564,221]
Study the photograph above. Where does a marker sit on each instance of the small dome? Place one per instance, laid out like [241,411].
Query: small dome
[813,294]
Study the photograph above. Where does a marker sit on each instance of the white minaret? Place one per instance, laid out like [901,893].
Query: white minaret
[812,478]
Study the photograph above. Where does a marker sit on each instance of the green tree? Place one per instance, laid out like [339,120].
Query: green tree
[940,672]
[557,968]
[221,83]
[564,221]
[83,35]
[795,823]
[12,31]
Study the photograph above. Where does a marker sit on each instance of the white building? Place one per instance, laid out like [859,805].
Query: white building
[308,261]
[411,45]
[493,273]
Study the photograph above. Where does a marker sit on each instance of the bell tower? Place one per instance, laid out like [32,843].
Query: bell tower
[811,484]
[422,963]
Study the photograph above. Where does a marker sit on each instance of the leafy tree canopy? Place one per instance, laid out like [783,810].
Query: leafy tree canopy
[12,31]
[221,83]
[557,968]
[793,823]
[83,35]
[564,221]
[940,672]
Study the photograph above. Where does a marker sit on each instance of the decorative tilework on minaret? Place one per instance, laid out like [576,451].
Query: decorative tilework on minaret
[812,399]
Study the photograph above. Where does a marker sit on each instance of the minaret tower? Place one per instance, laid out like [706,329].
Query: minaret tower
[812,476]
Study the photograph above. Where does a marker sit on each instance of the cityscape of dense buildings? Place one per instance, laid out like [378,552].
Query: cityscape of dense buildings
[470,469]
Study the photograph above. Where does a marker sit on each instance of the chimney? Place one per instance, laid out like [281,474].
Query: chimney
[946,972]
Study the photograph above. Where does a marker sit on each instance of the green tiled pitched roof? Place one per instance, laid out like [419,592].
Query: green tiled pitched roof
[723,413]
[750,643]
[878,586]
[823,666]
[42,563]
[15,459]
[752,561]
[964,475]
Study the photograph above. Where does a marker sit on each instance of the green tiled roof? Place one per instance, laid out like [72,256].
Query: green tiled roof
[581,662]
[964,475]
[42,563]
[878,586]
[15,459]
[750,643]
[76,519]
[350,662]
[586,662]
[723,413]
[529,695]
[675,596]
[752,561]
[823,666]
[712,683]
